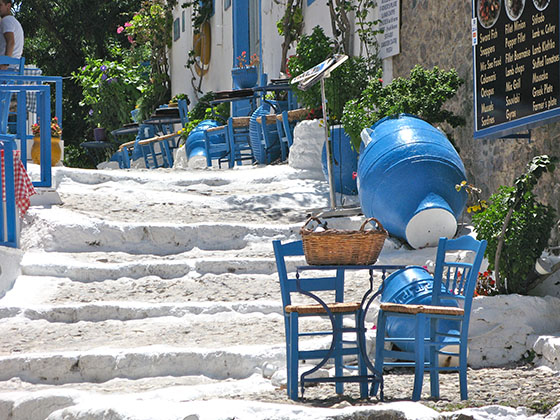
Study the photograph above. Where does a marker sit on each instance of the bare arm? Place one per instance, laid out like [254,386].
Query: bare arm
[10,43]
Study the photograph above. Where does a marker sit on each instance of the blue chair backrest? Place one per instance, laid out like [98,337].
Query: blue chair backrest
[183,111]
[290,285]
[4,111]
[17,65]
[458,278]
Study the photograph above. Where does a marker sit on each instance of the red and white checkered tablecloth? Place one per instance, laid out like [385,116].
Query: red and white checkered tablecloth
[23,185]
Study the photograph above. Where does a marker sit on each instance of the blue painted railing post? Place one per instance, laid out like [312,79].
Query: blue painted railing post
[8,231]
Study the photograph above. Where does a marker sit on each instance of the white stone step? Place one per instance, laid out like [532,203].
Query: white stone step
[67,231]
[98,266]
[25,401]
[104,364]
[127,311]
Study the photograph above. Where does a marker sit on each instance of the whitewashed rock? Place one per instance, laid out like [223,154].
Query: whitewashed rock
[10,259]
[305,152]
[180,160]
[501,326]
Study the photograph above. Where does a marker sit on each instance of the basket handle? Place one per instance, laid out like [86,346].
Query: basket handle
[315,219]
[379,225]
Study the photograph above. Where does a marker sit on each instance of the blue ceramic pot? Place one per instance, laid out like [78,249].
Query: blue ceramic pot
[244,77]
[406,179]
[345,162]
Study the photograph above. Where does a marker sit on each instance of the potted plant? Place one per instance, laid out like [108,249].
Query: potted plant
[245,75]
[56,150]
[345,83]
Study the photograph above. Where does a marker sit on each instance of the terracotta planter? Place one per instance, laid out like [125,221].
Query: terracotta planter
[56,151]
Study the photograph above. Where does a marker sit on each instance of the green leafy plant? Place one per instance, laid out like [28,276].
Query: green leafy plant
[423,94]
[151,28]
[290,27]
[110,90]
[345,83]
[177,97]
[77,157]
[517,228]
[364,26]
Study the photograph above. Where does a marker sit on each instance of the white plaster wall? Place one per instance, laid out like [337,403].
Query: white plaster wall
[219,74]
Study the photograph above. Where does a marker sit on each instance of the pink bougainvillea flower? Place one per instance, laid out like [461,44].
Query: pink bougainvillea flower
[130,39]
[380,80]
[120,29]
[127,24]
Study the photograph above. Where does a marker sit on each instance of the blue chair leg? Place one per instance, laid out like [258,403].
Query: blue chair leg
[463,375]
[433,361]
[166,153]
[282,139]
[338,360]
[362,368]
[125,158]
[419,347]
[293,358]
[233,150]
[379,347]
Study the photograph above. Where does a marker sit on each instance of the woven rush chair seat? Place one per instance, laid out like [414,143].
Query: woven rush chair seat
[404,308]
[215,129]
[294,115]
[268,119]
[337,307]
[144,142]
[238,122]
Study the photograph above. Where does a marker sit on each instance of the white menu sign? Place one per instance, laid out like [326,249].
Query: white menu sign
[389,15]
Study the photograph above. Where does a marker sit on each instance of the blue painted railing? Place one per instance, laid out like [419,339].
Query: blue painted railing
[8,233]
[41,86]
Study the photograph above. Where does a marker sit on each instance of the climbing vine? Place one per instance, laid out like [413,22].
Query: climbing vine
[202,11]
[290,27]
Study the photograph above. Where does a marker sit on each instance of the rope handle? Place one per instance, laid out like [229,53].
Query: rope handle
[379,226]
[316,219]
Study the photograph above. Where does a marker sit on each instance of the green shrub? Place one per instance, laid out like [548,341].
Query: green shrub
[526,232]
[345,83]
[422,94]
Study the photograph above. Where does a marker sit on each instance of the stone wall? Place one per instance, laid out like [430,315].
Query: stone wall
[438,33]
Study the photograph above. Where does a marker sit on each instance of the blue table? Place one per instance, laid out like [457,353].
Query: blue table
[367,299]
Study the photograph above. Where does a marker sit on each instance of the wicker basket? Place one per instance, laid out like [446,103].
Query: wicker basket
[342,247]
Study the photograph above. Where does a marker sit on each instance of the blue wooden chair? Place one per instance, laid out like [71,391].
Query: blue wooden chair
[16,65]
[291,286]
[237,136]
[428,336]
[217,146]
[285,123]
[269,137]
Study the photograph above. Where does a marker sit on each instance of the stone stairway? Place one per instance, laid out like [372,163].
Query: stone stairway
[137,285]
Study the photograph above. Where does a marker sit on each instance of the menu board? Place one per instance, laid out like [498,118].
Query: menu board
[516,53]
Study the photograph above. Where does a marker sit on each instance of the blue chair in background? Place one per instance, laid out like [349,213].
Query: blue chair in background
[299,287]
[429,335]
[16,65]
[285,123]
[238,140]
[217,146]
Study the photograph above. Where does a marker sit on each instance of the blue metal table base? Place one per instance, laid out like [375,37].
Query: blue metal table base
[376,378]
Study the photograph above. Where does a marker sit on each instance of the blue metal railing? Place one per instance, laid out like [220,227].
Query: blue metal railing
[41,87]
[8,234]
